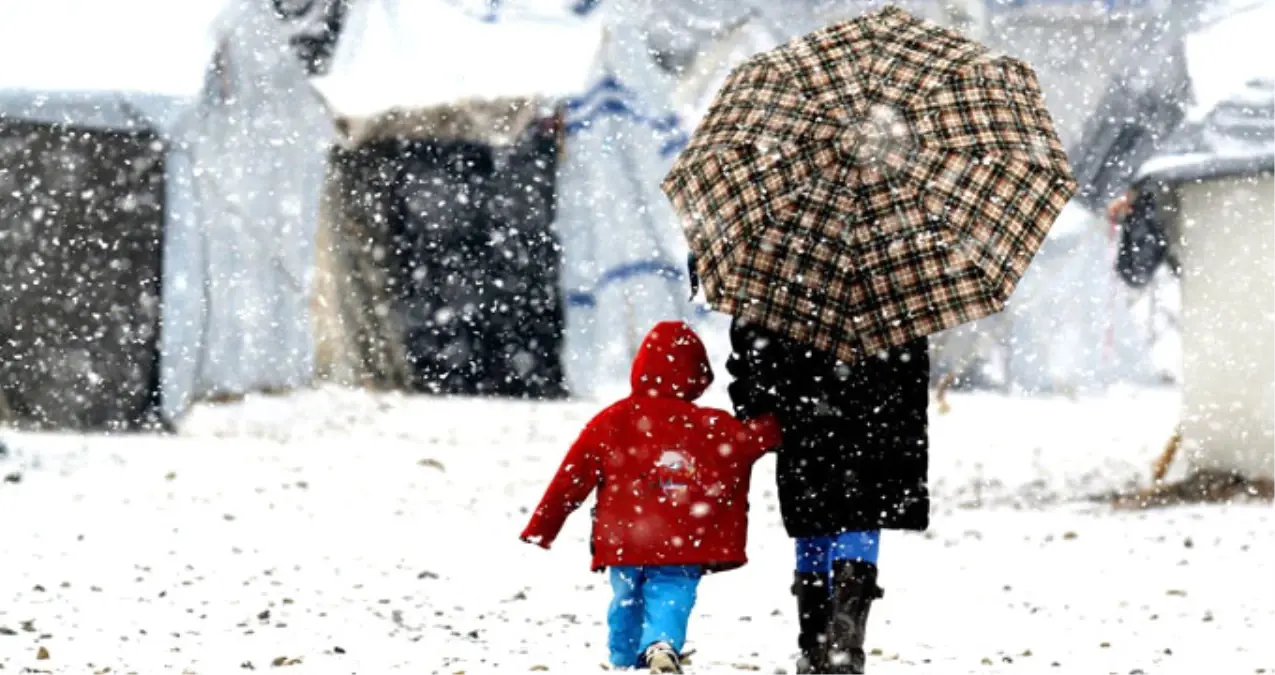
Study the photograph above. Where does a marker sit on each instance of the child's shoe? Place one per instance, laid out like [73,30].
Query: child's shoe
[662,658]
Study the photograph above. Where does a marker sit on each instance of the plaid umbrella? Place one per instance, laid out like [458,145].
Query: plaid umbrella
[875,181]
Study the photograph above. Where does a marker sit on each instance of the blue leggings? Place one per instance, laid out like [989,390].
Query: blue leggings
[815,555]
[652,604]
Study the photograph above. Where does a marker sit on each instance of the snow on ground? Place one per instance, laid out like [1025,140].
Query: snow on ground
[340,532]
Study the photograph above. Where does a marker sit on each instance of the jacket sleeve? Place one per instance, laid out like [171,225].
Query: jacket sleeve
[763,436]
[752,365]
[579,474]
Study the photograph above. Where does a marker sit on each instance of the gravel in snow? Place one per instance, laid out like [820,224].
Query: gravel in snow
[342,532]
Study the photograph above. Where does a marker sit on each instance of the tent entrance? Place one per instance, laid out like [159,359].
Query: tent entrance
[476,264]
[81,221]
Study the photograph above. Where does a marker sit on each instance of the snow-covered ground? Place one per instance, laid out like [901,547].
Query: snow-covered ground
[343,532]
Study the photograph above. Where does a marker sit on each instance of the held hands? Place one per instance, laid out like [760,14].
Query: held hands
[766,430]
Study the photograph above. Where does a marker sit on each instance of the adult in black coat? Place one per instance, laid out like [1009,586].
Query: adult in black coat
[855,454]
[854,461]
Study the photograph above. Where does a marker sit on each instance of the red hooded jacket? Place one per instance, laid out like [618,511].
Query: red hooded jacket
[672,477]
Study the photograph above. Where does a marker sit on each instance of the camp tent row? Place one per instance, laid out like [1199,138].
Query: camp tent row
[160,166]
[186,215]
[214,222]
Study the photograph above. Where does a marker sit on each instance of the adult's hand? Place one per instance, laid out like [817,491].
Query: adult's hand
[1120,207]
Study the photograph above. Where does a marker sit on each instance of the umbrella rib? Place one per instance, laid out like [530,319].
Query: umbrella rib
[969,210]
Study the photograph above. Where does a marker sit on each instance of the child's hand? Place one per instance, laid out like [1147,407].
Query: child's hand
[766,430]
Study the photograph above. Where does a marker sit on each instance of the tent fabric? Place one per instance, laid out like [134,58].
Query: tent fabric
[124,111]
[359,338]
[241,138]
[479,266]
[118,83]
[313,29]
[624,255]
[81,219]
[491,323]
[84,120]
[496,121]
[241,265]
[445,245]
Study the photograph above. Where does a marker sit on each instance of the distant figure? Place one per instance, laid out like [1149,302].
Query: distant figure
[672,480]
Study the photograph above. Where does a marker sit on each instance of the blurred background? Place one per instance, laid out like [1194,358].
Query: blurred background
[323,226]
[220,197]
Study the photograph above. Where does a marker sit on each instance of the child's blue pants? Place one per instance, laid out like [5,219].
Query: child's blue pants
[652,604]
[815,555]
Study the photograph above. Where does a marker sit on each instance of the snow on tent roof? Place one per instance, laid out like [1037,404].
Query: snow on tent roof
[122,64]
[1230,123]
[413,54]
[1225,57]
[1205,165]
[144,46]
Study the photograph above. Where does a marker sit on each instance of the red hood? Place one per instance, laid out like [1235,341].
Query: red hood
[671,363]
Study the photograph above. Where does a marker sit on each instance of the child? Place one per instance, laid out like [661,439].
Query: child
[672,480]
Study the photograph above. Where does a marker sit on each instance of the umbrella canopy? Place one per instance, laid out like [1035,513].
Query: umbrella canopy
[870,183]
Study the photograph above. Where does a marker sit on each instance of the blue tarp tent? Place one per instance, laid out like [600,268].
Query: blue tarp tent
[624,255]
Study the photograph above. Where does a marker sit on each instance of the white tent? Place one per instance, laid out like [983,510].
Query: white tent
[1213,180]
[241,307]
[624,254]
[242,139]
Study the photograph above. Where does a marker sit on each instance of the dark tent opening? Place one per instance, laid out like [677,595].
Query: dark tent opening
[81,221]
[474,263]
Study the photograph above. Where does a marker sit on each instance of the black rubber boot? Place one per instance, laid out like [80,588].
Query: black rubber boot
[854,587]
[813,603]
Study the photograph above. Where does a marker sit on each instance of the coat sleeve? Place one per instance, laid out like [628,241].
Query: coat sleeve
[753,364]
[763,436]
[579,474]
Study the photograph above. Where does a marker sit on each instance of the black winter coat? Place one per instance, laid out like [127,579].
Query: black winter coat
[855,453]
